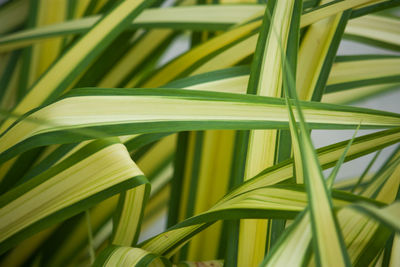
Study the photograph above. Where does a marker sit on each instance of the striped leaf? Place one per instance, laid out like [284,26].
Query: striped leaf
[54,195]
[81,114]
[73,190]
[101,214]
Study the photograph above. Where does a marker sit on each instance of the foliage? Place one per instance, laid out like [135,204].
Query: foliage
[105,133]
